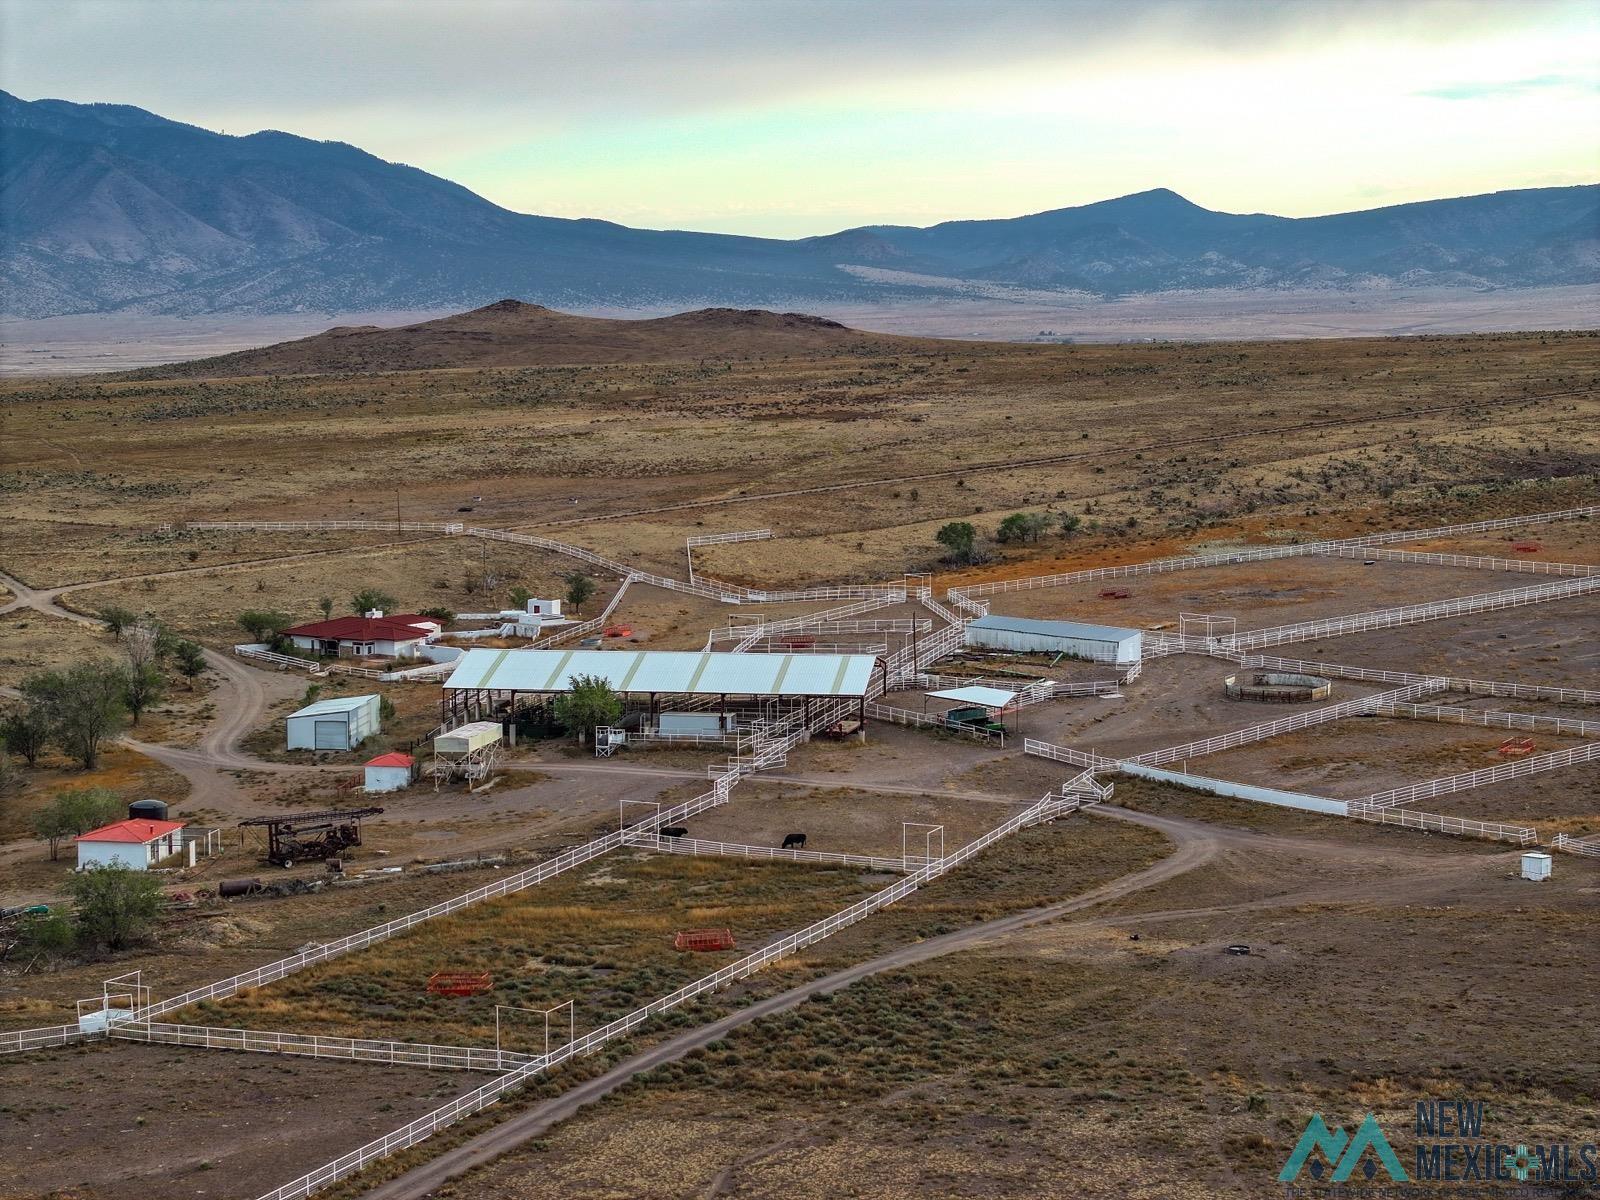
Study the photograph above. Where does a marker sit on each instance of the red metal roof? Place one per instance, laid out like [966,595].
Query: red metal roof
[392,759]
[134,829]
[364,629]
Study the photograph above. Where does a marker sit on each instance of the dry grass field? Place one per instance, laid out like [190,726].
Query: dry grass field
[1308,436]
[1126,1053]
[1065,1059]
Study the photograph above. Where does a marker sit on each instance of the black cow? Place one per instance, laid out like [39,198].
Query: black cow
[795,841]
[674,831]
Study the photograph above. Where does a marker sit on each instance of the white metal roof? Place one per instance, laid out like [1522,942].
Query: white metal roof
[985,697]
[685,672]
[1065,629]
[339,704]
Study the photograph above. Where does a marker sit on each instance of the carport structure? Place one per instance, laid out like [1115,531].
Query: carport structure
[490,682]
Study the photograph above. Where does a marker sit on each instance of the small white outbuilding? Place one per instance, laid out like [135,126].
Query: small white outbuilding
[1536,865]
[389,772]
[136,844]
[339,724]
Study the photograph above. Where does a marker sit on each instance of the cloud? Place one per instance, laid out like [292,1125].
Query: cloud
[1501,89]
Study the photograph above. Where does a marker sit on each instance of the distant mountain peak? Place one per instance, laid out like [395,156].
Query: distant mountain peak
[109,208]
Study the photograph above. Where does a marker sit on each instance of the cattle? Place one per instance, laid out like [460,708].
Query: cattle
[674,831]
[795,841]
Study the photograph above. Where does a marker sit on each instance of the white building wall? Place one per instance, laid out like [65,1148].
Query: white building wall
[135,855]
[113,854]
[1041,643]
[387,779]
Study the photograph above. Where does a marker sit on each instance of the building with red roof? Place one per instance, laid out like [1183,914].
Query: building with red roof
[135,843]
[390,772]
[370,636]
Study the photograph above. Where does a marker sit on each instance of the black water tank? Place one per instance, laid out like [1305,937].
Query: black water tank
[148,810]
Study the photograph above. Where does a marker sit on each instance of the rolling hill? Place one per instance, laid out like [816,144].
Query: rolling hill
[509,333]
[109,208]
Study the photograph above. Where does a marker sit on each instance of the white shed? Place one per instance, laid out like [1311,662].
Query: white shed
[1536,865]
[340,724]
[389,772]
[134,843]
[1099,643]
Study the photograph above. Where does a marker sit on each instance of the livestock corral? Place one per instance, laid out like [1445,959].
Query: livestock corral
[857,745]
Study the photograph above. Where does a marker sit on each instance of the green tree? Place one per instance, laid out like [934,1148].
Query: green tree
[190,660]
[72,813]
[1022,527]
[25,730]
[579,588]
[369,599]
[85,705]
[326,605]
[114,906]
[520,596]
[590,702]
[145,643]
[142,686]
[264,625]
[118,618]
[1069,523]
[960,539]
[49,934]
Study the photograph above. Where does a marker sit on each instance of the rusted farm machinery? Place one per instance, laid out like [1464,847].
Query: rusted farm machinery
[311,837]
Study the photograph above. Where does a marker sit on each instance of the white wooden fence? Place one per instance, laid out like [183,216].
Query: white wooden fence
[1587,846]
[258,1041]
[1526,566]
[966,596]
[1522,767]
[1480,687]
[1411,614]
[700,848]
[1532,722]
[921,720]
[1439,823]
[424,1127]
[1270,729]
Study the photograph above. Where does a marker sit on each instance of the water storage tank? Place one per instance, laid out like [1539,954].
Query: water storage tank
[148,810]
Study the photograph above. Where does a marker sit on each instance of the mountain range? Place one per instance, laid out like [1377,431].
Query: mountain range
[110,208]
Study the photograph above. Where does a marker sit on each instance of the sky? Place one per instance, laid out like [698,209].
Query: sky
[787,118]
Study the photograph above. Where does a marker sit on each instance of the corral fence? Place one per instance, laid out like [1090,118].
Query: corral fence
[1047,809]
[1466,780]
[1412,614]
[1587,846]
[966,597]
[700,848]
[921,720]
[1480,687]
[1526,566]
[257,1041]
[1407,818]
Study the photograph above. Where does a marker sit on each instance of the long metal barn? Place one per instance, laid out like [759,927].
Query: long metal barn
[489,684]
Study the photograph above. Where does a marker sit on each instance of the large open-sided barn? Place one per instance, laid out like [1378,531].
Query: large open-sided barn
[497,682]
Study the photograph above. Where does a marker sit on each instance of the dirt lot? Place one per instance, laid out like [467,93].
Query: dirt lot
[1257,595]
[1556,644]
[843,820]
[600,936]
[205,1123]
[1558,541]
[1356,757]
